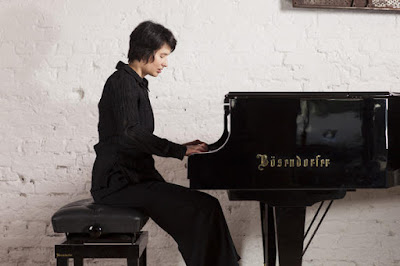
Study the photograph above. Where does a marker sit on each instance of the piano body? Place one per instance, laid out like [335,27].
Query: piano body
[291,150]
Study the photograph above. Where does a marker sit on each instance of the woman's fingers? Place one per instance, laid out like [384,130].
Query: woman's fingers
[191,149]
[203,147]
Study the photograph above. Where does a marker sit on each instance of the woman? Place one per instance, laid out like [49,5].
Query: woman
[124,172]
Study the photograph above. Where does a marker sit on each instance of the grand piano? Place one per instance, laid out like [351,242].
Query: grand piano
[292,150]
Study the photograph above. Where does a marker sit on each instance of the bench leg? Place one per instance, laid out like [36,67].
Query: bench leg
[78,261]
[133,262]
[142,261]
[143,258]
[62,261]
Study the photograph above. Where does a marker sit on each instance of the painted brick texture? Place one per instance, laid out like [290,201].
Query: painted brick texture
[56,55]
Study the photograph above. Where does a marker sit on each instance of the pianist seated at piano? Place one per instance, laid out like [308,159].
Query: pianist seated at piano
[124,173]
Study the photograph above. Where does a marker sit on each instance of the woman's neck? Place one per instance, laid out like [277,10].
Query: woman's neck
[136,65]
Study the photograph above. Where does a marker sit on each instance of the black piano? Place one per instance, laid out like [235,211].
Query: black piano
[291,150]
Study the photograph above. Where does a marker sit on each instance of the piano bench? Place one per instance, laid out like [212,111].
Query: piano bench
[100,231]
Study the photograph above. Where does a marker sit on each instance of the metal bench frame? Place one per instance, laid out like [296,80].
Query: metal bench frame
[80,246]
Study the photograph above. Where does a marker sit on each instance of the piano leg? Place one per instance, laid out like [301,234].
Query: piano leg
[268,234]
[289,223]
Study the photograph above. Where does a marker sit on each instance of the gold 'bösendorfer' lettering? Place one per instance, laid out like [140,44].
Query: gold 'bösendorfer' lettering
[274,161]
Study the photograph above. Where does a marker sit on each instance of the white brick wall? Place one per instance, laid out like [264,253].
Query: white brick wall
[56,55]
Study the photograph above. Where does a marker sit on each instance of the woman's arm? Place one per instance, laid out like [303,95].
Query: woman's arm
[135,138]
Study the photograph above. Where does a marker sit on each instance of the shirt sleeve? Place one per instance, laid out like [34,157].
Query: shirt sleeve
[135,138]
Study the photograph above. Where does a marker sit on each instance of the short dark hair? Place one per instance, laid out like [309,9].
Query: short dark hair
[147,38]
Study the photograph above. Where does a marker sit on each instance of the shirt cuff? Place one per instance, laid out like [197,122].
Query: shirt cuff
[177,151]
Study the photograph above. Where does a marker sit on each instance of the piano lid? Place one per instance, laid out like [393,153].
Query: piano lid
[324,95]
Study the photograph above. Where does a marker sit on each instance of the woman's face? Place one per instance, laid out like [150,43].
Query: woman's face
[160,61]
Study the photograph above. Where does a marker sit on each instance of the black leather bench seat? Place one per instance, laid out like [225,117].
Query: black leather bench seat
[79,216]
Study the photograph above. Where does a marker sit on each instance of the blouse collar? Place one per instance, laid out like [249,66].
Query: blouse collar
[141,81]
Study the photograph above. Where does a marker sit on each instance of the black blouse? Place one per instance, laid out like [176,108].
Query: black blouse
[126,139]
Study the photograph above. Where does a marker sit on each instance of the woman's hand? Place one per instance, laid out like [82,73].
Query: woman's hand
[196,146]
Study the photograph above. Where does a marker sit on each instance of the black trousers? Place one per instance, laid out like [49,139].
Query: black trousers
[193,218]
